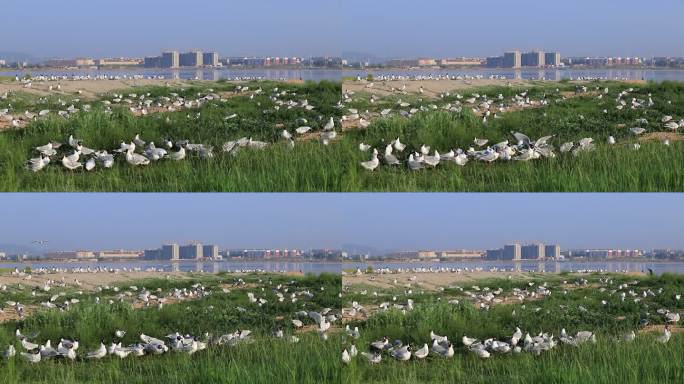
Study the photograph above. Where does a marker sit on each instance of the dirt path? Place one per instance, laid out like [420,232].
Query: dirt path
[90,89]
[89,280]
[429,281]
[431,88]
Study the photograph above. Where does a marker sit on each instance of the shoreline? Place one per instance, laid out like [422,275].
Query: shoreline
[93,279]
[513,262]
[479,68]
[163,261]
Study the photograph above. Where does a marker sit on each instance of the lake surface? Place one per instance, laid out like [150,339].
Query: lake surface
[190,73]
[190,266]
[658,267]
[657,75]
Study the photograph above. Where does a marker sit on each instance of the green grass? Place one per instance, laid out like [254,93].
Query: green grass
[312,167]
[266,360]
[644,361]
[610,168]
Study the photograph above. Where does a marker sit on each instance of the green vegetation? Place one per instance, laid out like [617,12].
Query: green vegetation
[575,307]
[276,168]
[568,117]
[310,166]
[265,360]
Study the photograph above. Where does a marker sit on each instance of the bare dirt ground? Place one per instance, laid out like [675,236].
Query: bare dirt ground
[662,136]
[428,281]
[90,89]
[90,280]
[431,88]
[659,328]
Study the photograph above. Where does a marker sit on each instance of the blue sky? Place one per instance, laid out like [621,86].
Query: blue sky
[385,221]
[386,28]
[137,28]
[484,28]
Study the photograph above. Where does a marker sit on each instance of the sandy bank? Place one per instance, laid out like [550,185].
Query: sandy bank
[431,88]
[90,89]
[429,281]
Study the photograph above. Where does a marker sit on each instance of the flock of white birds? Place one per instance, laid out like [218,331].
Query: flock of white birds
[137,152]
[519,342]
[521,149]
[140,297]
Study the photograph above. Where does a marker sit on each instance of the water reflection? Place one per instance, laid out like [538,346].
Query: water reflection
[658,267]
[191,266]
[337,74]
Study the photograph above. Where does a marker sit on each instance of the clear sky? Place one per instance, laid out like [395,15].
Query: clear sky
[408,28]
[384,221]
[385,28]
[49,28]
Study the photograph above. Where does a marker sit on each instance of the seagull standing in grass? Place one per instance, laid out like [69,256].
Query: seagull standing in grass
[390,159]
[403,353]
[373,163]
[422,352]
[373,358]
[178,155]
[398,145]
[71,162]
[345,357]
[136,159]
[98,353]
[38,163]
[665,337]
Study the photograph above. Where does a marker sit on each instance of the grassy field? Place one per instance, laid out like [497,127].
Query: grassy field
[276,168]
[310,166]
[608,361]
[614,168]
[266,360]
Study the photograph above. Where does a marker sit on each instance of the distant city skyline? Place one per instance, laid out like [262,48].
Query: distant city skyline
[305,221]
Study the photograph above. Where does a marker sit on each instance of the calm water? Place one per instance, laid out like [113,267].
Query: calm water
[658,267]
[192,266]
[202,74]
[657,75]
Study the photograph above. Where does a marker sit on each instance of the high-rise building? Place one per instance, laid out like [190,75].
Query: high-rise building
[511,252]
[552,59]
[552,251]
[170,252]
[532,251]
[494,254]
[170,59]
[191,251]
[211,251]
[191,59]
[532,59]
[152,62]
[153,254]
[495,62]
[210,58]
[512,59]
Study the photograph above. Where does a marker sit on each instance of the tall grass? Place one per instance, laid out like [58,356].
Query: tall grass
[313,167]
[266,360]
[643,361]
